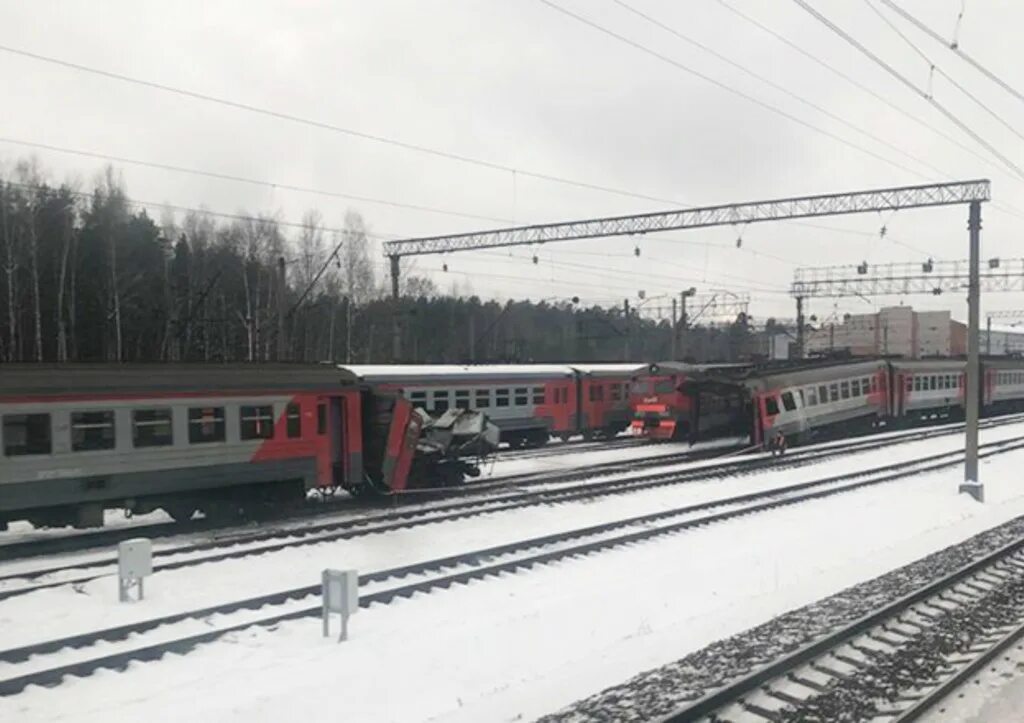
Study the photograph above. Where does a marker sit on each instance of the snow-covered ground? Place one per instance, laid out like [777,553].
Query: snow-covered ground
[523,644]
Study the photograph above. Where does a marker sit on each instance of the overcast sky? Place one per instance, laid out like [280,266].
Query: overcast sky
[522,85]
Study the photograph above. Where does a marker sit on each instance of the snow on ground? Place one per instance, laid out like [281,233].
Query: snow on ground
[522,645]
[996,695]
[64,610]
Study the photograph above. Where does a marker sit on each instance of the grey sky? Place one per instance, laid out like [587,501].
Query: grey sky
[522,85]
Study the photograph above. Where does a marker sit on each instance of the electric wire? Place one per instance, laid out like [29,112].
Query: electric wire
[324,125]
[250,181]
[955,48]
[934,67]
[729,89]
[910,84]
[778,86]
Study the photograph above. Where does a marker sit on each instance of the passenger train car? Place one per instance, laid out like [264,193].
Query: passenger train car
[528,402]
[78,439]
[814,401]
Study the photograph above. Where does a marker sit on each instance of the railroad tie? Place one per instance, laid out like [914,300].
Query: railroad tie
[784,697]
[759,711]
[830,671]
[807,682]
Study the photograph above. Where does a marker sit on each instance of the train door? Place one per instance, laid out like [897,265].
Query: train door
[336,438]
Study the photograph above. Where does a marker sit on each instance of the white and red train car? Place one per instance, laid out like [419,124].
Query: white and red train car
[821,400]
[79,439]
[528,402]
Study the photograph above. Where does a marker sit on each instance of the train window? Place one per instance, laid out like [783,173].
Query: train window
[788,401]
[501,397]
[822,394]
[771,405]
[844,390]
[321,418]
[868,385]
[665,386]
[931,382]
[538,395]
[917,383]
[483,398]
[462,399]
[256,422]
[641,388]
[855,388]
[418,399]
[92,430]
[812,397]
[439,401]
[522,396]
[152,428]
[833,392]
[26,434]
[293,420]
[616,393]
[205,424]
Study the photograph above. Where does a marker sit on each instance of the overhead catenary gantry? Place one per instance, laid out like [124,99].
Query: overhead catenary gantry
[973,193]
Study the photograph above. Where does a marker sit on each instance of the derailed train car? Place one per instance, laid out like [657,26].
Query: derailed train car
[225,440]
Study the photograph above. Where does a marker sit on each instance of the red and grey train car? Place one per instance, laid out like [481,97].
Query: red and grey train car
[528,402]
[815,401]
[79,439]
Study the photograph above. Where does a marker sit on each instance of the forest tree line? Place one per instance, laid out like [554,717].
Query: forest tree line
[87,275]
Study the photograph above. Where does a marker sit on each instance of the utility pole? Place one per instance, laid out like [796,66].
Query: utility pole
[799,327]
[675,332]
[348,329]
[396,329]
[973,382]
[629,329]
[282,341]
[684,320]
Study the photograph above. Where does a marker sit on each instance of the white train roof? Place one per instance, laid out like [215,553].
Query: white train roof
[454,372]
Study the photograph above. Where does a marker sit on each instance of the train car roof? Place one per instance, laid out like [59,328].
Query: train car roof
[608,370]
[811,374]
[452,372]
[112,378]
[928,364]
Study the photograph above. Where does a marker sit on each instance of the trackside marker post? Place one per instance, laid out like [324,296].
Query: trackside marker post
[134,563]
[340,593]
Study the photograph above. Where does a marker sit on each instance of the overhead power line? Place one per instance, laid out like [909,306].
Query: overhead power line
[935,68]
[910,84]
[857,84]
[777,86]
[186,209]
[729,89]
[251,181]
[954,46]
[324,125]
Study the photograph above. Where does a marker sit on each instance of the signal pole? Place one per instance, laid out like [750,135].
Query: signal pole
[675,331]
[971,483]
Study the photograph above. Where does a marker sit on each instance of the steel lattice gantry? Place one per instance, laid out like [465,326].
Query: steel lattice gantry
[934,277]
[833,204]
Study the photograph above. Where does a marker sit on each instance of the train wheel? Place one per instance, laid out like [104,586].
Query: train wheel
[181,512]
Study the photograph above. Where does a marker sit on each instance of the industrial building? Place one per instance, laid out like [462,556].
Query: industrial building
[894,330]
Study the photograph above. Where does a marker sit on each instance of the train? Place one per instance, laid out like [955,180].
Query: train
[226,440]
[530,403]
[805,401]
[675,401]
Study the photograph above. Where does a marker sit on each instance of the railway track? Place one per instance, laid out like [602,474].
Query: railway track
[266,541]
[46,663]
[414,499]
[894,664]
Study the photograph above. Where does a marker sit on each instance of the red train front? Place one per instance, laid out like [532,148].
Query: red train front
[677,401]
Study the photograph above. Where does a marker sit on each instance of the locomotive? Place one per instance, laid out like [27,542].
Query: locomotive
[225,440]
